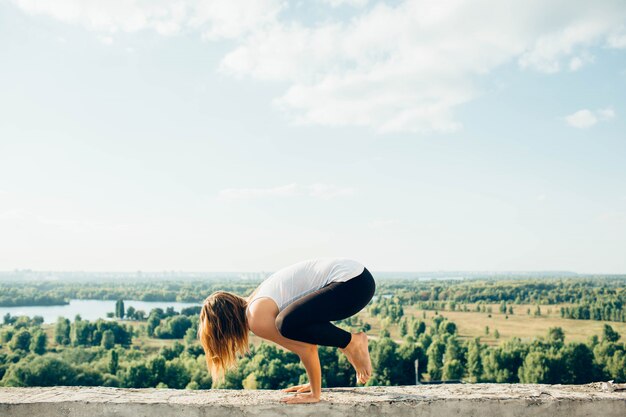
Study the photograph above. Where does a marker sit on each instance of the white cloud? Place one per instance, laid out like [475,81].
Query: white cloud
[12,214]
[353,3]
[250,193]
[328,191]
[320,191]
[106,40]
[409,67]
[401,67]
[618,38]
[605,114]
[214,18]
[382,224]
[579,61]
[585,118]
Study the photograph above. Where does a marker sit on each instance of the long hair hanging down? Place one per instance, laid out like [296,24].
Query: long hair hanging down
[223,331]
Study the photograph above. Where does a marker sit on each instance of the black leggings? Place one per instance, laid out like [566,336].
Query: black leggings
[308,318]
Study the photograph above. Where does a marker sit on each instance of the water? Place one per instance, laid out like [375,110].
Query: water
[88,309]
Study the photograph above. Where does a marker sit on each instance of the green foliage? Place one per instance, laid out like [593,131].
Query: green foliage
[173,327]
[86,333]
[556,336]
[501,363]
[100,353]
[474,361]
[119,309]
[453,366]
[609,335]
[384,361]
[39,343]
[114,361]
[108,339]
[20,341]
[42,371]
[435,354]
[62,331]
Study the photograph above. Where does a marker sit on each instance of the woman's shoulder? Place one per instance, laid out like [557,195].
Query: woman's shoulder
[261,313]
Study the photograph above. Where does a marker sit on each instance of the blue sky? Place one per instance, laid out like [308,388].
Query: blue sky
[247,135]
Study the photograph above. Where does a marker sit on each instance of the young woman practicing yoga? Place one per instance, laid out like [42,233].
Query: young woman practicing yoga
[294,308]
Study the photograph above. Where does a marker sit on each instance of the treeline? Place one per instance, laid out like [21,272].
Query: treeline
[59,293]
[106,353]
[600,310]
[535,291]
[28,296]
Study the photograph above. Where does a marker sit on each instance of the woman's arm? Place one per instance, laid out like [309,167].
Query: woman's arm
[262,324]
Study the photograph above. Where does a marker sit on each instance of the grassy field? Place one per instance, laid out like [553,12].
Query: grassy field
[472,324]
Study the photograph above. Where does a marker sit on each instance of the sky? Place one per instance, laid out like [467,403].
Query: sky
[227,135]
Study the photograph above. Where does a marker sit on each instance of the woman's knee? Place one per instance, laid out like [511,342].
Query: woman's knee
[286,325]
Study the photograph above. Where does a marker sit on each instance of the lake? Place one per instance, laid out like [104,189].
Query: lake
[88,309]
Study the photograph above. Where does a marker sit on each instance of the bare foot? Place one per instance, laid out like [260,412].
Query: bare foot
[358,355]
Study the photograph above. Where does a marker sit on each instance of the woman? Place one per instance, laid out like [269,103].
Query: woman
[294,308]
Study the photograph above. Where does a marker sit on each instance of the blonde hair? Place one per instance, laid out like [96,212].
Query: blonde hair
[223,331]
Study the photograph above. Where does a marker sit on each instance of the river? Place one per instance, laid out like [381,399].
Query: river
[88,309]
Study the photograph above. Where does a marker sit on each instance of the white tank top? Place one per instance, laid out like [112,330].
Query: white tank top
[293,282]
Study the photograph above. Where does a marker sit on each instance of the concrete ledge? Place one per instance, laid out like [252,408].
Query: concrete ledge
[481,400]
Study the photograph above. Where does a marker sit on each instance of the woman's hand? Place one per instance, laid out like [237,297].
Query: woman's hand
[300,399]
[299,388]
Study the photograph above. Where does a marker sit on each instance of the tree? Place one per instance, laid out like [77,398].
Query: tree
[39,343]
[535,368]
[82,333]
[418,327]
[137,375]
[191,337]
[130,312]
[157,370]
[176,375]
[452,365]
[435,359]
[178,326]
[62,331]
[579,363]
[119,309]
[448,327]
[384,362]
[21,340]
[610,335]
[108,339]
[154,319]
[408,353]
[556,336]
[501,363]
[42,371]
[474,362]
[336,370]
[403,327]
[496,334]
[113,362]
[172,352]
[6,335]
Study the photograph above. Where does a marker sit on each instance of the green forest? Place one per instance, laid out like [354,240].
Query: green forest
[589,298]
[160,349]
